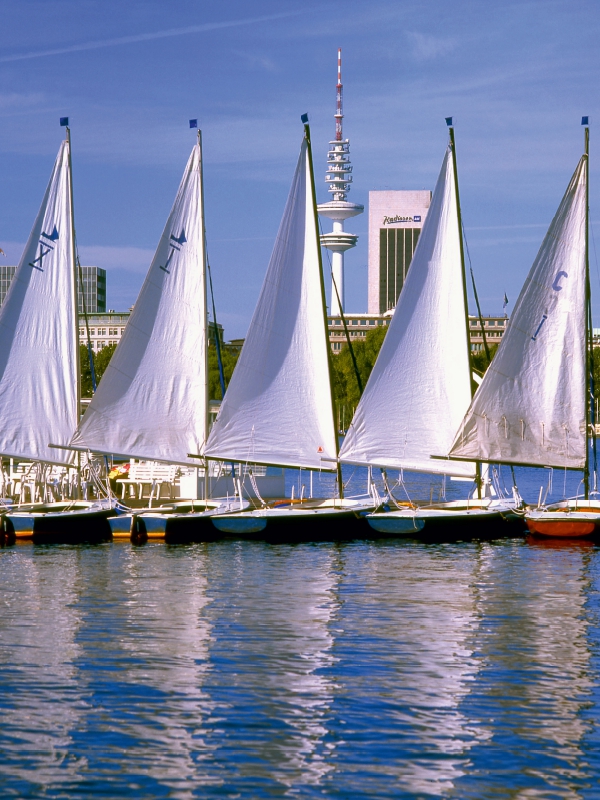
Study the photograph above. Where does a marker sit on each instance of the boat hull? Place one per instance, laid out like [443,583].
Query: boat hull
[562,528]
[79,525]
[449,523]
[294,524]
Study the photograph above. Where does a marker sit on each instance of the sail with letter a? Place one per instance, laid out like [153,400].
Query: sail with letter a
[39,347]
[419,388]
[152,400]
[278,406]
[530,407]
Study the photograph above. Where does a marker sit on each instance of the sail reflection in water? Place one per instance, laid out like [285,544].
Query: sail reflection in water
[151,674]
[42,703]
[360,670]
[278,611]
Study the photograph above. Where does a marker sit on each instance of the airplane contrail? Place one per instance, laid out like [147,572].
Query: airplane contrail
[146,37]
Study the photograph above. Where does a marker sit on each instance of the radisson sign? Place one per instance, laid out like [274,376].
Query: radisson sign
[398,218]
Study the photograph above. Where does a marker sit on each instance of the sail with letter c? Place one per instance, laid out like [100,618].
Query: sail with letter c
[152,400]
[39,346]
[530,407]
[278,407]
[419,388]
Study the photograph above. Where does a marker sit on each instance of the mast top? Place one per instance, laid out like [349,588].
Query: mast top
[585,121]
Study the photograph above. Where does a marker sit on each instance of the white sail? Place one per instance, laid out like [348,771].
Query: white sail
[530,406]
[39,348]
[278,408]
[419,388]
[152,400]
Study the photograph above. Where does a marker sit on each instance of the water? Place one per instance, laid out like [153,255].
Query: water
[244,670]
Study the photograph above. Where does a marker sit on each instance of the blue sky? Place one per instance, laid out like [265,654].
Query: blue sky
[516,77]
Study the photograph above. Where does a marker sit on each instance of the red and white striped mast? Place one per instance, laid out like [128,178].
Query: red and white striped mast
[339,178]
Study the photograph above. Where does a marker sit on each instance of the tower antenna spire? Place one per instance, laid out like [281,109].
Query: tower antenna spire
[338,209]
[339,114]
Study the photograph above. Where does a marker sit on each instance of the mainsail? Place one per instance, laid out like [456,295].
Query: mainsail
[39,347]
[278,406]
[152,400]
[530,407]
[420,387]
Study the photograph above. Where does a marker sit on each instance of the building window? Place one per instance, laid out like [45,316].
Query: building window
[396,248]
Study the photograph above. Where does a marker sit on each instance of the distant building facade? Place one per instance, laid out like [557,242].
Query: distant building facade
[107,328]
[6,276]
[360,324]
[494,327]
[94,290]
[395,222]
[94,287]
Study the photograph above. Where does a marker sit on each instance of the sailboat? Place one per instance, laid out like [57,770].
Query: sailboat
[39,359]
[532,407]
[279,408]
[420,386]
[152,401]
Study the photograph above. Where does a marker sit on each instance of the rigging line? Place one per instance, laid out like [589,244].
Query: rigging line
[592,390]
[214,313]
[591,228]
[85,317]
[343,318]
[485,344]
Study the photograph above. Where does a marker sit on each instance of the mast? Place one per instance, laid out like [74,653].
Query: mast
[324,306]
[588,312]
[205,301]
[464,277]
[64,121]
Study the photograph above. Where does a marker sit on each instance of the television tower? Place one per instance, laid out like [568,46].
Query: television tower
[339,178]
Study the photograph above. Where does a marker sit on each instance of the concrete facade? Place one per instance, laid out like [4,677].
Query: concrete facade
[395,219]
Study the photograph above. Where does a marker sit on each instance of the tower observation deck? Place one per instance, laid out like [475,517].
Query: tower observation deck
[338,209]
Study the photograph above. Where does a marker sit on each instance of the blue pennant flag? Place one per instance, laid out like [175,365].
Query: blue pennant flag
[505,303]
[449,121]
[304,118]
[64,121]
[585,120]
[193,123]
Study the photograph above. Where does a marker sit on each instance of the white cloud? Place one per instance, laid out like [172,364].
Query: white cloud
[129,259]
[146,37]
[426,48]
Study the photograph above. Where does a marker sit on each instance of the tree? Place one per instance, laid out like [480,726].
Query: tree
[101,361]
[229,358]
[479,360]
[345,385]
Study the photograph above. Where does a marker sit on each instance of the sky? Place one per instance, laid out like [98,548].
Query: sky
[515,76]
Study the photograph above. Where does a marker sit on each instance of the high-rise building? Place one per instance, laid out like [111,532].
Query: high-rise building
[339,178]
[6,276]
[94,290]
[395,222]
[94,286]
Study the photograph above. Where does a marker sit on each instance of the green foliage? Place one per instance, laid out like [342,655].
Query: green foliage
[596,370]
[345,385]
[480,361]
[101,361]
[229,358]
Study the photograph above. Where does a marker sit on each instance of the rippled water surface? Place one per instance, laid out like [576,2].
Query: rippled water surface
[363,670]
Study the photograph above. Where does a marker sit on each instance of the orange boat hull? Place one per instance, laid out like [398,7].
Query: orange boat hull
[568,528]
